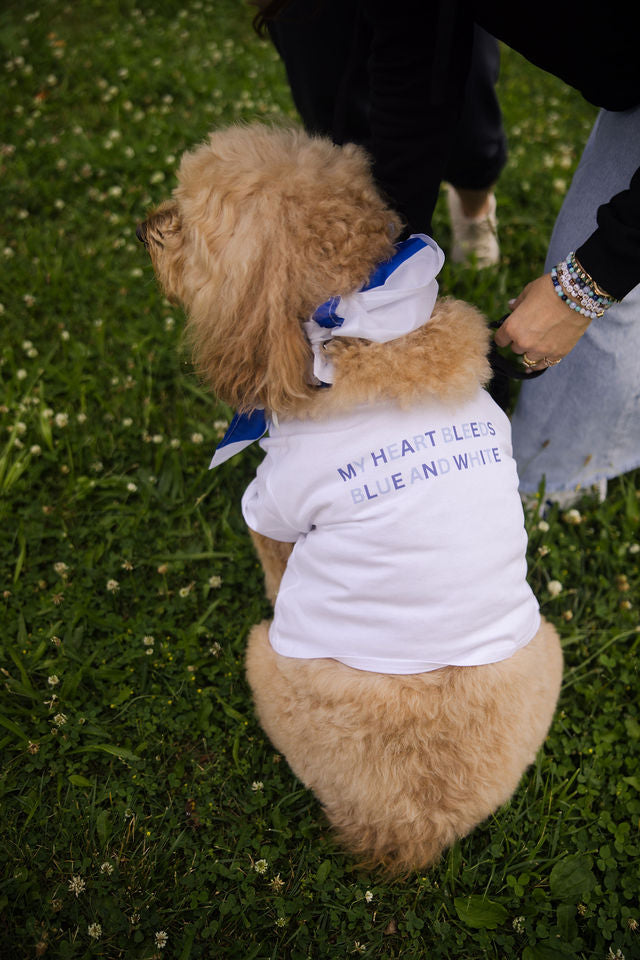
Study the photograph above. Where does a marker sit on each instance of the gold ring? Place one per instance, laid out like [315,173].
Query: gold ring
[528,362]
[551,363]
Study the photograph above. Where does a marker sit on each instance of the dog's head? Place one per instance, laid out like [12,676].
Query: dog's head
[266,224]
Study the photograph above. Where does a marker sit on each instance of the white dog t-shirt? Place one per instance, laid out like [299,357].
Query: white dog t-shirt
[409,537]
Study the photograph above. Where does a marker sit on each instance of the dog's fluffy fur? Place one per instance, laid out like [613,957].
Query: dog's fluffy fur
[266,224]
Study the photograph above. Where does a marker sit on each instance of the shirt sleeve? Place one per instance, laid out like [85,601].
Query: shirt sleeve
[611,255]
[262,512]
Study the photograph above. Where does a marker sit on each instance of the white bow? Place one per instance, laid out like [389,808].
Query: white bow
[398,298]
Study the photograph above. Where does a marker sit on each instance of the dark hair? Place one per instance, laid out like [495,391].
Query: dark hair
[267,10]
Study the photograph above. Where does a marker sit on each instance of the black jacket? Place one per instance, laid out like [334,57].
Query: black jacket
[419,53]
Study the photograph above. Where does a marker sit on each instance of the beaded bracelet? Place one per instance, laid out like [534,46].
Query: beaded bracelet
[578,290]
[570,278]
[569,302]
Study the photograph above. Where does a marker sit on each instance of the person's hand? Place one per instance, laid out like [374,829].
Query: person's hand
[541,326]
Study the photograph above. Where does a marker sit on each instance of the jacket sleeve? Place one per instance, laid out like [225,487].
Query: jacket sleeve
[611,255]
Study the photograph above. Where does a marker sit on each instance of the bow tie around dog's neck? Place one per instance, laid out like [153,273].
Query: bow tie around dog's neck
[397,299]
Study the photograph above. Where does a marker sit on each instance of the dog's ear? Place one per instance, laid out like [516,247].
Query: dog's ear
[161,233]
[245,324]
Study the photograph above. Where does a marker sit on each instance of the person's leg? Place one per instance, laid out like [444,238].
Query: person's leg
[478,156]
[319,44]
[579,424]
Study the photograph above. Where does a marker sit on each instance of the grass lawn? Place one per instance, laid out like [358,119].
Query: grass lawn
[142,811]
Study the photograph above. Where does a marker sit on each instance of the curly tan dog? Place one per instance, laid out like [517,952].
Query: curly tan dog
[407,676]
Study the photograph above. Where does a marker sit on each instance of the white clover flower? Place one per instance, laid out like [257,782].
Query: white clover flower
[196,438]
[81,418]
[574,517]
[215,582]
[157,438]
[555,588]
[136,272]
[53,680]
[60,719]
[148,641]
[257,786]
[64,335]
[185,591]
[175,443]
[26,345]
[368,896]
[106,868]
[60,568]
[634,548]
[261,866]
[281,922]
[543,526]
[127,422]
[215,650]
[157,177]
[29,299]
[61,419]
[161,939]
[36,450]
[21,374]
[169,323]
[7,253]
[131,487]
[518,924]
[113,586]
[77,885]
[20,428]
[95,931]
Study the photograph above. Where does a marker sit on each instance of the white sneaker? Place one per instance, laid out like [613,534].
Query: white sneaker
[474,238]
